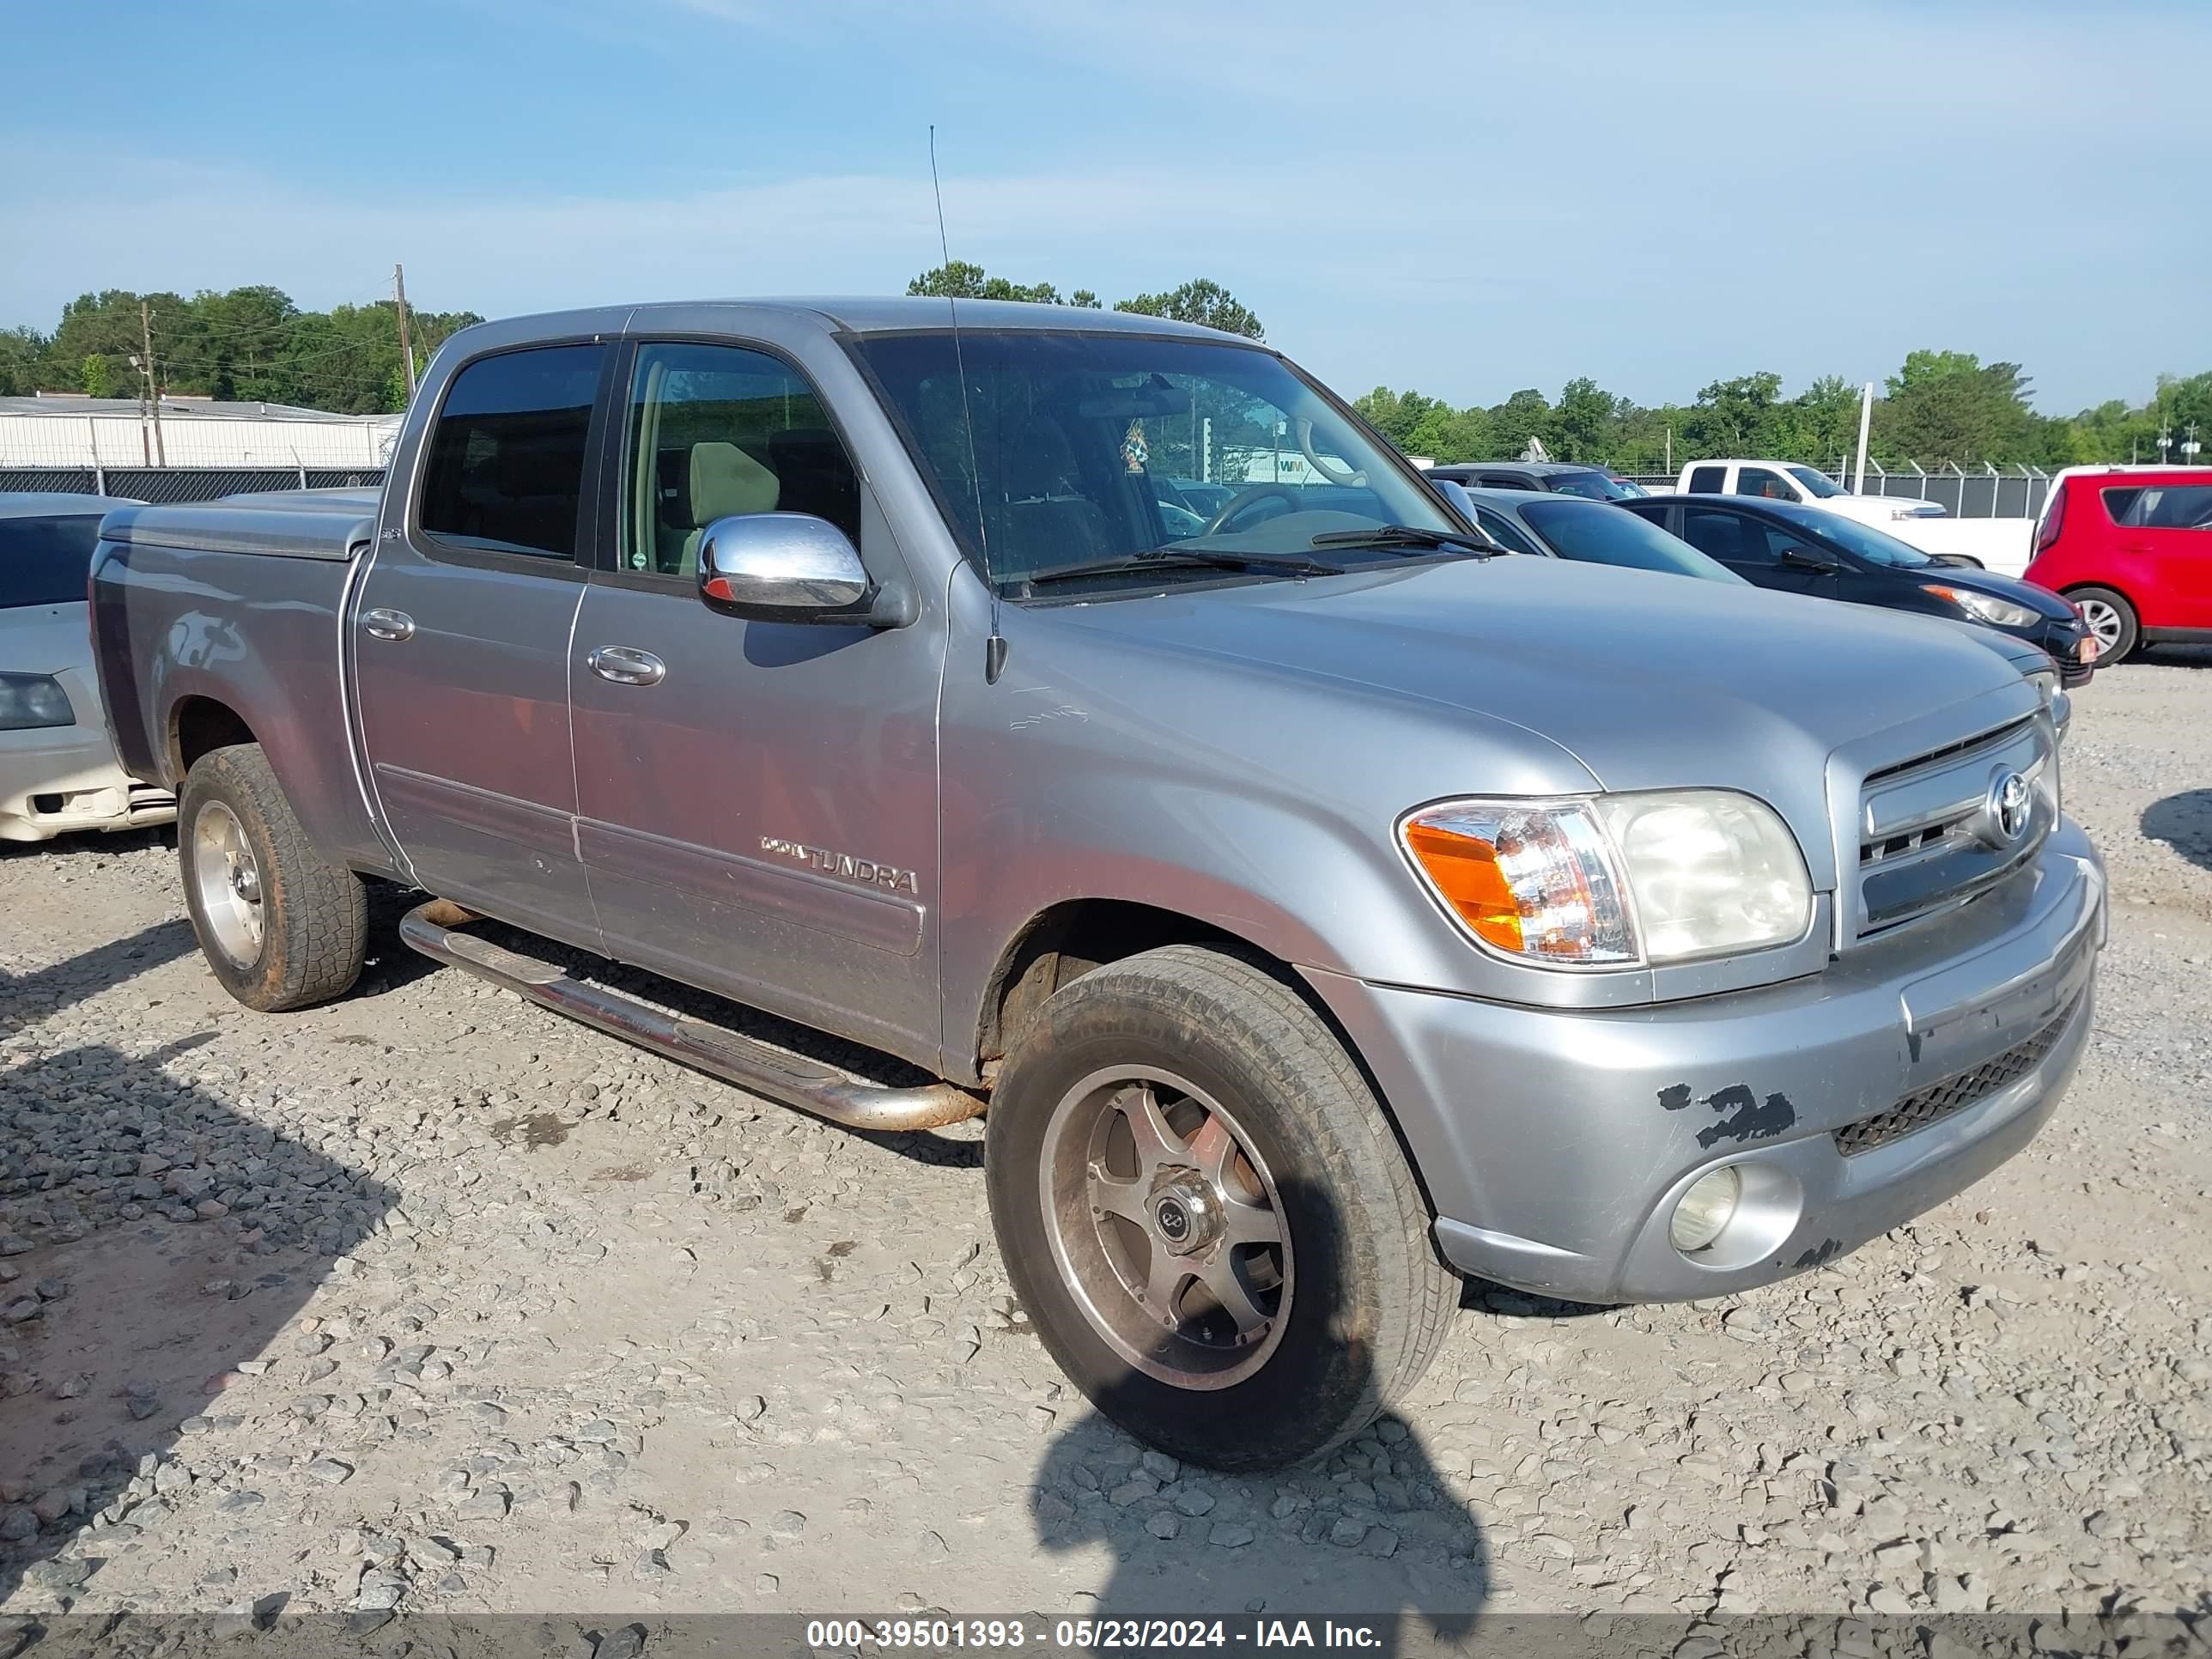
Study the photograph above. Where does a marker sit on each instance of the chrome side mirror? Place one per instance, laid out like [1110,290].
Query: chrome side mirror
[794,568]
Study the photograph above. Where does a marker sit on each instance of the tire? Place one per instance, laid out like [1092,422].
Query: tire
[2112,619]
[281,926]
[1228,1051]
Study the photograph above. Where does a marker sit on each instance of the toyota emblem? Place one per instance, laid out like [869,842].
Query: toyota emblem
[2009,807]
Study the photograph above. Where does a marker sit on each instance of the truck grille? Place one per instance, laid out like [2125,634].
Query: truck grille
[1925,834]
[1953,1094]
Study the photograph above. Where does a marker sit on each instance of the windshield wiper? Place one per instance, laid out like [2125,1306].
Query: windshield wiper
[1182,558]
[1474,544]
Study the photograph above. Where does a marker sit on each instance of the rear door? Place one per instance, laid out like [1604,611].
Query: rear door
[2167,527]
[461,639]
[758,800]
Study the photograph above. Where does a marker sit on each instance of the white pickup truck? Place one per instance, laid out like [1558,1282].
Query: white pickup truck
[1793,481]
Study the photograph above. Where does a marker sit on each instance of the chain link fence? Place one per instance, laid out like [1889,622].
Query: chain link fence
[184,483]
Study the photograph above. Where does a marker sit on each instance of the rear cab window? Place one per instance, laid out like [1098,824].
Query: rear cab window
[504,472]
[45,561]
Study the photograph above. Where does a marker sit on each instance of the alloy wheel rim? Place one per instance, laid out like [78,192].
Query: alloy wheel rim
[1167,1227]
[227,877]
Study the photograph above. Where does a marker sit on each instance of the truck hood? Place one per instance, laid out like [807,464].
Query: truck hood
[45,639]
[1646,680]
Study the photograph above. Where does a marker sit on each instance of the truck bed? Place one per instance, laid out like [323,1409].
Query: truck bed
[224,622]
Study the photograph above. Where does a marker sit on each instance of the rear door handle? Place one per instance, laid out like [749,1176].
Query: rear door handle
[626,665]
[388,625]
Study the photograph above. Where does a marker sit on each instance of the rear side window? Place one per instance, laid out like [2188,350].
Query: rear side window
[45,561]
[2161,506]
[506,468]
[1706,480]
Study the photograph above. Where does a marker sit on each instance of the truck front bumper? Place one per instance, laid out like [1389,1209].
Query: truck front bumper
[1555,1144]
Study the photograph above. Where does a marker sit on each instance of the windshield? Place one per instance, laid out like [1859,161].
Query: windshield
[1072,430]
[1816,482]
[45,561]
[1593,486]
[1606,535]
[1869,544]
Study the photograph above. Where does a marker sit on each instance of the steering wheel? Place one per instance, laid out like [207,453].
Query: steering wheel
[1244,498]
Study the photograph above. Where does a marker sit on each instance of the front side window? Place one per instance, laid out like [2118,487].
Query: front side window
[2162,506]
[1707,480]
[1069,429]
[1817,483]
[45,561]
[1729,536]
[1760,481]
[505,472]
[1606,535]
[714,432]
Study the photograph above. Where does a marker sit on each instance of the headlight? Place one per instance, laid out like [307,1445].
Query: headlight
[1983,607]
[2045,682]
[1619,879]
[33,700]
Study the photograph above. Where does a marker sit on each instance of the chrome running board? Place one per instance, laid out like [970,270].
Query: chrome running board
[790,1080]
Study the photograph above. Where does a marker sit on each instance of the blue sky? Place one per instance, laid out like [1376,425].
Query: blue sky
[1467,198]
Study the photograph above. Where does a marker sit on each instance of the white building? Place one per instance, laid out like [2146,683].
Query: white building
[62,429]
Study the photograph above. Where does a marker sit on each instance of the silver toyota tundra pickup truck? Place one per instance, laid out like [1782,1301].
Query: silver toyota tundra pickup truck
[1321,905]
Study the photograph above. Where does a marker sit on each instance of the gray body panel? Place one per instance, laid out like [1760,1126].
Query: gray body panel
[1236,753]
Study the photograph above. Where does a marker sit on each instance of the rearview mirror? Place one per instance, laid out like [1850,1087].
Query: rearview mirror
[794,568]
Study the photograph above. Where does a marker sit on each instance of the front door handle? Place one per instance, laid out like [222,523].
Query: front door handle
[626,665]
[384,624]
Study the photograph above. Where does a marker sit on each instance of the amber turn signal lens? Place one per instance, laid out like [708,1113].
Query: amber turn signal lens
[1466,874]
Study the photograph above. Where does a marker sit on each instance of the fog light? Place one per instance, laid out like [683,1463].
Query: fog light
[1705,1209]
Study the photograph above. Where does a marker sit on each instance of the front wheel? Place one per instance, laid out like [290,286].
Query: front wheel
[1205,1213]
[281,926]
[2112,619]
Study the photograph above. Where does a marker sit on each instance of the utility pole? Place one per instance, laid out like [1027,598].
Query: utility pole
[406,349]
[2165,442]
[1866,420]
[152,382]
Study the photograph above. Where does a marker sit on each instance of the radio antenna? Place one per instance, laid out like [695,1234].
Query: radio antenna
[995,648]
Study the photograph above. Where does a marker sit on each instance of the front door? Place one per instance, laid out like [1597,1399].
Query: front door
[461,643]
[1759,552]
[758,800]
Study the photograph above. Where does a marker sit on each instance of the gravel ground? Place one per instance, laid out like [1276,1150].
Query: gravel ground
[430,1300]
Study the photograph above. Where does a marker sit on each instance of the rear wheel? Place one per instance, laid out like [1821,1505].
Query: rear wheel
[1206,1216]
[281,925]
[2112,619]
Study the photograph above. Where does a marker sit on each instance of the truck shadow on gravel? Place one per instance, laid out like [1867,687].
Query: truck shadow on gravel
[2183,822]
[153,1240]
[1368,1533]
[48,990]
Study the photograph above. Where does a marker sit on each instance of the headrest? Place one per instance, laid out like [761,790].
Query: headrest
[722,480]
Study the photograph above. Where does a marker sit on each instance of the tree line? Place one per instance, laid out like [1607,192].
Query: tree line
[1939,409]
[250,345]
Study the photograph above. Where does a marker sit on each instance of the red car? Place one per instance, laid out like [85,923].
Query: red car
[2131,546]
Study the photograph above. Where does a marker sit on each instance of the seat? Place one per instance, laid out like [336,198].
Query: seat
[714,481]
[1048,521]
